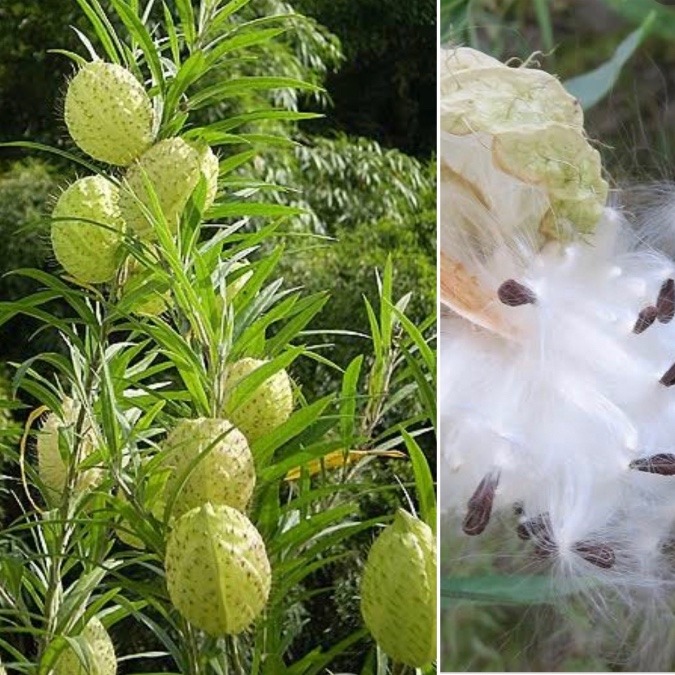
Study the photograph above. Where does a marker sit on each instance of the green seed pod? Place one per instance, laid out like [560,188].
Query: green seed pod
[100,650]
[173,167]
[51,468]
[217,571]
[109,114]
[398,591]
[87,251]
[270,405]
[139,280]
[226,474]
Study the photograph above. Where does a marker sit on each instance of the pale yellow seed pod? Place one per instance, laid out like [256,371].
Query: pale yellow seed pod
[89,251]
[217,571]
[270,405]
[109,114]
[398,591]
[226,473]
[101,652]
[51,468]
[173,168]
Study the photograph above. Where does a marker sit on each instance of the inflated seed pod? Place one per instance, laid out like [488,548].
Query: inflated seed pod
[270,405]
[108,113]
[173,167]
[398,591]
[217,571]
[99,649]
[51,467]
[89,251]
[225,475]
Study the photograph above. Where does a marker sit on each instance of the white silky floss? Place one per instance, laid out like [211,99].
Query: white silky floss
[557,355]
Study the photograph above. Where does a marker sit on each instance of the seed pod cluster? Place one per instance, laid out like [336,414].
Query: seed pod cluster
[110,116]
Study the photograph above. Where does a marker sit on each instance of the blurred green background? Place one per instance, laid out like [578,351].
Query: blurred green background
[618,58]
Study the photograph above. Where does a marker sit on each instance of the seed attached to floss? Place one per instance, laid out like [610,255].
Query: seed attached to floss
[665,304]
[480,505]
[645,319]
[668,378]
[600,555]
[514,294]
[535,528]
[109,114]
[398,591]
[87,229]
[662,464]
[101,653]
[217,571]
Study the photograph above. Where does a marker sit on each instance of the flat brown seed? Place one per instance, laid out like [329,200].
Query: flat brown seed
[480,505]
[600,555]
[668,378]
[513,294]
[535,528]
[665,304]
[662,464]
[646,318]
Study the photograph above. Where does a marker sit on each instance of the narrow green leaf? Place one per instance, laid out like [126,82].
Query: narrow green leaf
[590,88]
[424,481]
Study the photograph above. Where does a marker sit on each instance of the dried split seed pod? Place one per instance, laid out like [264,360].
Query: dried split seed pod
[98,648]
[109,114]
[398,591]
[87,229]
[225,475]
[270,405]
[217,570]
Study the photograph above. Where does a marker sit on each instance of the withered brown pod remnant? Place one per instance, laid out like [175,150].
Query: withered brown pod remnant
[480,505]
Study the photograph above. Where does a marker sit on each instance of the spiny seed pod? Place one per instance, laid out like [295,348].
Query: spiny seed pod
[225,475]
[217,571]
[173,168]
[398,591]
[109,114]
[269,406]
[89,251]
[51,467]
[99,648]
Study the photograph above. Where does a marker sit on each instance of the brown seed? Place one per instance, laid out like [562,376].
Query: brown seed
[662,464]
[600,555]
[513,294]
[665,304]
[480,505]
[535,528]
[668,378]
[646,318]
